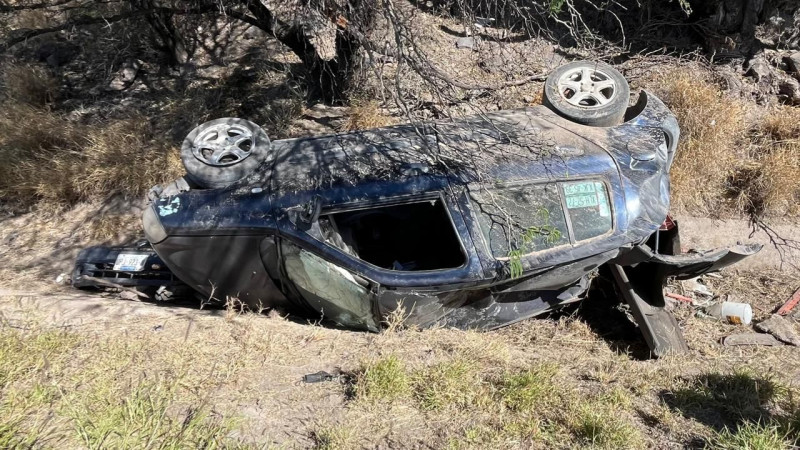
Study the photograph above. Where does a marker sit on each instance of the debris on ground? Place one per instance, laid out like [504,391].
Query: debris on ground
[761,339]
[319,377]
[697,286]
[790,304]
[466,42]
[679,297]
[734,312]
[781,328]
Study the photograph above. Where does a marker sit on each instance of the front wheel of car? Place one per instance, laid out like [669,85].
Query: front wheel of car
[587,92]
[221,152]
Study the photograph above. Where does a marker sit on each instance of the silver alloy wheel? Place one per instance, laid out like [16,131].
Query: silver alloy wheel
[586,87]
[223,144]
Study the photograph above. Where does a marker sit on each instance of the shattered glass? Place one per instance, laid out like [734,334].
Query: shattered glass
[333,291]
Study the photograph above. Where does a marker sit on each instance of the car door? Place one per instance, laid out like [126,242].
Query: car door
[347,233]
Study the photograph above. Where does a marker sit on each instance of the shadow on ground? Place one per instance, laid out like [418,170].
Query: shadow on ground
[736,404]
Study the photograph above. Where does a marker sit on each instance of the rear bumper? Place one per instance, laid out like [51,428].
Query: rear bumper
[97,263]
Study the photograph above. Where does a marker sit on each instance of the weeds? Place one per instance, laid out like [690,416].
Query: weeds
[29,84]
[383,379]
[366,114]
[712,126]
[747,167]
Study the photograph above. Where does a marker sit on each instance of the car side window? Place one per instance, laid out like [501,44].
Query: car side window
[526,219]
[588,207]
[522,219]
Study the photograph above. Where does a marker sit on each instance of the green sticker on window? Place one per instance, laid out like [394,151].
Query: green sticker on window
[579,188]
[581,201]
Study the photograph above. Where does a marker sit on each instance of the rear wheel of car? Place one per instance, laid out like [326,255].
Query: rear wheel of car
[586,92]
[221,152]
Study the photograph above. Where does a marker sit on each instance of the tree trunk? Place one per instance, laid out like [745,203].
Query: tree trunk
[166,36]
[327,80]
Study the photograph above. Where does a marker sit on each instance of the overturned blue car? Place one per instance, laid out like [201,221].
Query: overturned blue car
[473,223]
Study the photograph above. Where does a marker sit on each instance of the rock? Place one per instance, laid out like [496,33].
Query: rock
[781,328]
[129,295]
[793,61]
[125,76]
[466,42]
[751,339]
[789,91]
[759,69]
[56,53]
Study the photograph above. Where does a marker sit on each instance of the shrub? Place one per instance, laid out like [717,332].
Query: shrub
[29,84]
[57,161]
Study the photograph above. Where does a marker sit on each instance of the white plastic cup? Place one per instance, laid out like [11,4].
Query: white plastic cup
[735,313]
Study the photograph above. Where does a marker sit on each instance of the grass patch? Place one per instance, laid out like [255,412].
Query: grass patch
[752,436]
[63,390]
[333,437]
[736,396]
[366,114]
[601,425]
[141,418]
[451,383]
[531,389]
[383,379]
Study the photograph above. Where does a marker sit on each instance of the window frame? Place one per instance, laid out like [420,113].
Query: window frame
[571,242]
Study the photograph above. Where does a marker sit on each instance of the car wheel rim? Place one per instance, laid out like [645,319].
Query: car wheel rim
[223,144]
[587,88]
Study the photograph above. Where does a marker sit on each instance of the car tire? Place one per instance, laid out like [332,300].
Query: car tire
[221,152]
[587,92]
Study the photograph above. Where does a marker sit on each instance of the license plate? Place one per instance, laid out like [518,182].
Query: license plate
[130,262]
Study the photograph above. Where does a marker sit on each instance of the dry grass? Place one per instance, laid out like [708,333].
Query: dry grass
[57,161]
[712,127]
[732,158]
[366,114]
[775,170]
[31,84]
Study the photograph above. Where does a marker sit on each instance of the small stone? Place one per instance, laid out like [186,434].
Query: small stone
[781,328]
[789,91]
[793,61]
[466,42]
[761,339]
[129,295]
[125,76]
[760,70]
